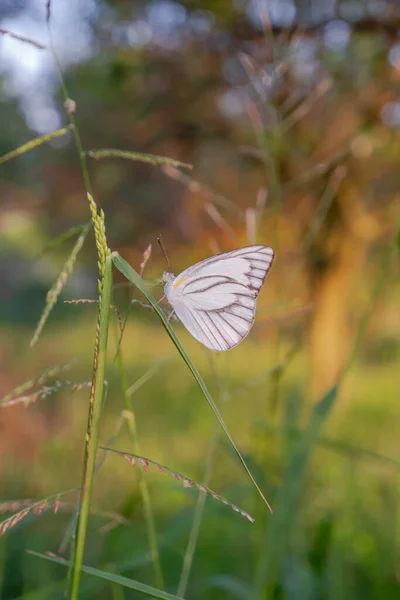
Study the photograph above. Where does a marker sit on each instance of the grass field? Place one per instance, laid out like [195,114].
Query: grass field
[303,415]
[334,531]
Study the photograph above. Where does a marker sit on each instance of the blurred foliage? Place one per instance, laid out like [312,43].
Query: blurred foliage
[289,112]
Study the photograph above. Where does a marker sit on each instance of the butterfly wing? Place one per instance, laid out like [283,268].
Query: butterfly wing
[248,265]
[217,310]
[216,298]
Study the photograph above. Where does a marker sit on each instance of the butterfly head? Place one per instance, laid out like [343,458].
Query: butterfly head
[168,277]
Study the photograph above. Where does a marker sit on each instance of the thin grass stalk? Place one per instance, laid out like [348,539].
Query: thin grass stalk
[21,38]
[151,159]
[95,405]
[32,144]
[55,291]
[110,576]
[3,553]
[64,237]
[143,488]
[103,312]
[71,117]
[117,592]
[69,534]
[277,532]
[270,161]
[375,295]
[201,499]
[198,515]
[71,527]
[277,197]
[134,277]
[271,556]
[325,202]
[337,445]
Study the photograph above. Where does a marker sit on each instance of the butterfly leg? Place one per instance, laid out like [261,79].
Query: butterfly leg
[170,316]
[143,304]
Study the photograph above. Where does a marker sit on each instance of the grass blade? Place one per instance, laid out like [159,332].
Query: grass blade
[145,463]
[33,144]
[21,38]
[232,586]
[35,381]
[130,418]
[29,507]
[139,383]
[96,399]
[54,292]
[131,584]
[63,237]
[152,159]
[287,499]
[135,278]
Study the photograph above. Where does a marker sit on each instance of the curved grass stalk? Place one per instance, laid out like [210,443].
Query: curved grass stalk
[35,381]
[138,156]
[131,584]
[135,278]
[34,144]
[29,507]
[54,292]
[62,238]
[21,38]
[145,463]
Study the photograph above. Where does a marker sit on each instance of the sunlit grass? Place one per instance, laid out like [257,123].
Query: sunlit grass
[170,409]
[332,478]
[174,422]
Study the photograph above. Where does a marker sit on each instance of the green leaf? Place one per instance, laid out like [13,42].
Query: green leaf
[131,584]
[288,496]
[135,278]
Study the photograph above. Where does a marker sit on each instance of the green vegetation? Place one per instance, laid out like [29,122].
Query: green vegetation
[304,415]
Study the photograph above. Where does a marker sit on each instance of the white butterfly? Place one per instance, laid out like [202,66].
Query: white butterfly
[216,298]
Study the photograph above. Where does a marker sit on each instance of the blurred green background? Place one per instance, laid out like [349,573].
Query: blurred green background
[289,111]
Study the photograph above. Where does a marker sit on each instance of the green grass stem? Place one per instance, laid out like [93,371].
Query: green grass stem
[135,278]
[130,584]
[143,487]
[91,443]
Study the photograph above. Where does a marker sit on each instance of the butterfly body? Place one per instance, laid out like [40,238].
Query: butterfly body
[216,298]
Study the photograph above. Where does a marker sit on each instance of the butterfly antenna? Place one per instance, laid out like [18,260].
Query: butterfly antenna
[163,250]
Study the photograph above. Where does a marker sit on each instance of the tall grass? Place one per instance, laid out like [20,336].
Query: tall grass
[275,572]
